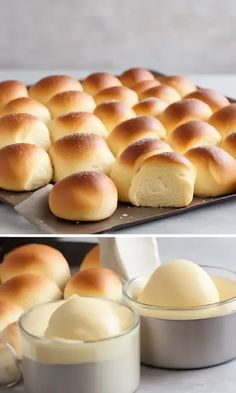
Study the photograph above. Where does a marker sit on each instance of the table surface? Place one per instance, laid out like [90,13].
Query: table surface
[217,219]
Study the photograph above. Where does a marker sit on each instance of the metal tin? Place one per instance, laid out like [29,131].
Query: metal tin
[186,343]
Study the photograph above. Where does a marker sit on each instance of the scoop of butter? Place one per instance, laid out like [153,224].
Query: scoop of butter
[179,283]
[84,319]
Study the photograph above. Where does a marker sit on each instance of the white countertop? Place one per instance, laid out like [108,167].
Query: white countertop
[214,219]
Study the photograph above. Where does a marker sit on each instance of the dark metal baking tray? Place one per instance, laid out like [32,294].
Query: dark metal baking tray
[34,207]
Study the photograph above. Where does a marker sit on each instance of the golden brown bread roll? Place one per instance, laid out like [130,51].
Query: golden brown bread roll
[144,85]
[150,106]
[164,180]
[38,259]
[213,98]
[79,152]
[27,105]
[194,133]
[99,81]
[24,167]
[180,83]
[117,93]
[132,130]
[76,122]
[51,85]
[9,312]
[97,282]
[112,113]
[182,111]
[91,259]
[134,75]
[70,101]
[84,196]
[229,144]
[11,335]
[163,92]
[11,89]
[130,160]
[216,171]
[224,120]
[28,290]
[23,128]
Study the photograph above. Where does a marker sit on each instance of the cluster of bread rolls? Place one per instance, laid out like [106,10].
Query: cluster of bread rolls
[33,274]
[151,141]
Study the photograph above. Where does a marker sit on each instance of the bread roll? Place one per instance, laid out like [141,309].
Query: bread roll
[97,282]
[130,161]
[182,111]
[132,130]
[150,107]
[36,259]
[11,89]
[84,196]
[27,105]
[28,290]
[23,128]
[112,113]
[194,133]
[51,85]
[216,171]
[117,93]
[132,76]
[164,180]
[229,144]
[211,97]
[70,101]
[24,167]
[91,259]
[163,92]
[144,85]
[180,83]
[11,335]
[76,122]
[9,312]
[224,120]
[99,81]
[79,152]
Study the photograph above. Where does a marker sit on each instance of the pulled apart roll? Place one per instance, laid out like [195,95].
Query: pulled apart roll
[117,93]
[164,180]
[49,86]
[84,196]
[182,111]
[132,76]
[97,282]
[36,259]
[27,105]
[224,120]
[130,161]
[112,113]
[24,167]
[180,83]
[98,81]
[229,144]
[28,290]
[216,171]
[79,152]
[91,259]
[163,92]
[193,134]
[211,97]
[76,122]
[11,89]
[70,101]
[23,128]
[150,107]
[132,130]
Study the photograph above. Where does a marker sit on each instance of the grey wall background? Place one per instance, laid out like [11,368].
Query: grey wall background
[172,35]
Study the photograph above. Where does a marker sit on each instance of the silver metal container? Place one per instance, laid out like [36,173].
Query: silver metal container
[108,365]
[187,338]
